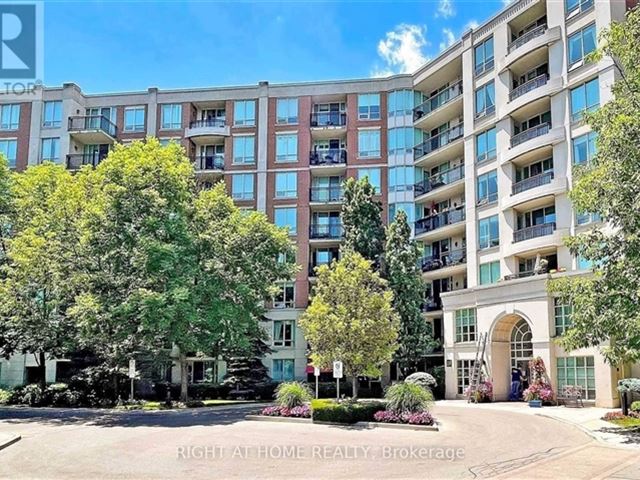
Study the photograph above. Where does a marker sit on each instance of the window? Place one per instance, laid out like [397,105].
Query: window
[202,371]
[134,119]
[584,98]
[464,368]
[283,333]
[406,207]
[488,187]
[586,218]
[534,169]
[484,57]
[369,106]
[583,264]
[10,117]
[401,102]
[488,232]
[9,148]
[401,179]
[283,370]
[402,140]
[562,316]
[369,143]
[285,296]
[373,174]
[489,273]
[577,371]
[50,149]
[578,5]
[286,217]
[466,325]
[485,100]
[286,185]
[242,186]
[287,110]
[539,216]
[52,114]
[582,43]
[171,116]
[287,148]
[486,145]
[244,112]
[584,148]
[244,149]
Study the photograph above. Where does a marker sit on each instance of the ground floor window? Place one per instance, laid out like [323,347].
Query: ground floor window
[577,371]
[464,375]
[283,370]
[202,371]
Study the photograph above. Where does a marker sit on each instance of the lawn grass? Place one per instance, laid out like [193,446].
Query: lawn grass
[627,422]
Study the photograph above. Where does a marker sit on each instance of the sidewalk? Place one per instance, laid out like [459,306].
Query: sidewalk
[588,419]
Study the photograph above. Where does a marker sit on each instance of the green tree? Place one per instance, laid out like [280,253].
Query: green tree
[405,281]
[605,304]
[362,220]
[6,207]
[351,319]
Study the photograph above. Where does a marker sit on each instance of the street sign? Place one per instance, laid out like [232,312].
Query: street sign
[132,369]
[337,369]
[316,371]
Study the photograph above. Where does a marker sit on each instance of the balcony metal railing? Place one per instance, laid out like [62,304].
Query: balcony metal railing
[325,231]
[515,276]
[209,162]
[527,37]
[326,194]
[529,134]
[439,220]
[438,100]
[532,182]
[446,259]
[328,119]
[534,232]
[526,87]
[208,122]
[333,156]
[438,180]
[438,141]
[92,122]
[431,304]
[77,160]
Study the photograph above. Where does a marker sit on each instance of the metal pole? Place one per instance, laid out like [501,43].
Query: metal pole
[131,395]
[316,387]
[338,389]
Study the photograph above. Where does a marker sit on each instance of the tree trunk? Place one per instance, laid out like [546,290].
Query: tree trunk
[42,370]
[184,393]
[354,387]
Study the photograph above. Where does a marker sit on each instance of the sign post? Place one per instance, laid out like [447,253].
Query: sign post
[132,375]
[337,374]
[316,373]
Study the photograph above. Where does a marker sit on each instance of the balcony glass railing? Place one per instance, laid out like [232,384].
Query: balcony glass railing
[438,141]
[532,182]
[439,220]
[529,134]
[92,122]
[515,276]
[438,100]
[209,162]
[527,37]
[77,160]
[326,194]
[446,259]
[333,156]
[208,122]
[439,180]
[526,87]
[534,232]
[328,119]
[325,231]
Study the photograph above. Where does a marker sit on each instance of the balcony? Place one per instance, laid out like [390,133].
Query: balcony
[530,134]
[326,194]
[518,275]
[208,163]
[532,182]
[207,131]
[534,41]
[438,142]
[75,161]
[431,304]
[319,231]
[526,87]
[435,110]
[526,37]
[328,120]
[438,181]
[92,129]
[440,220]
[336,156]
[444,260]
[535,231]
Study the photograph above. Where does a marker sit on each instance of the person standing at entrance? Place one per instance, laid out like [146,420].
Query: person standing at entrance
[516,377]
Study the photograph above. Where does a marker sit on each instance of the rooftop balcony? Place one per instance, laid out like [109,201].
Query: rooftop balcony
[75,161]
[207,131]
[323,231]
[439,181]
[331,194]
[436,145]
[439,107]
[440,220]
[535,231]
[92,129]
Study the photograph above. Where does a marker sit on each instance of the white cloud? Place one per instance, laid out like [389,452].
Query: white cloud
[448,38]
[470,25]
[401,50]
[445,9]
[507,2]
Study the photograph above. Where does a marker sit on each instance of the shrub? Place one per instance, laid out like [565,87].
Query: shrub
[271,411]
[408,398]
[194,404]
[416,418]
[539,391]
[423,379]
[617,415]
[5,396]
[60,395]
[484,392]
[325,410]
[303,411]
[635,406]
[292,394]
[629,385]
[31,395]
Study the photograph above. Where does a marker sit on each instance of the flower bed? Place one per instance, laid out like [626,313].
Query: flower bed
[418,418]
[302,411]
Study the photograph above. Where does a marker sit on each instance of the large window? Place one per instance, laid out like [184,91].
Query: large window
[406,207]
[134,119]
[286,148]
[285,298]
[171,116]
[488,232]
[287,110]
[483,55]
[587,218]
[466,325]
[584,148]
[488,187]
[9,149]
[577,371]
[539,216]
[10,116]
[401,179]
[369,106]
[489,273]
[283,333]
[402,140]
[562,313]
[369,143]
[583,264]
[244,149]
[286,185]
[373,174]
[52,114]
[401,102]
[287,218]
[575,5]
[485,100]
[486,145]
[283,370]
[50,149]
[584,98]
[582,43]
[464,368]
[244,112]
[242,186]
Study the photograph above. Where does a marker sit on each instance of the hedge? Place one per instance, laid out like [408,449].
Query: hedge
[325,410]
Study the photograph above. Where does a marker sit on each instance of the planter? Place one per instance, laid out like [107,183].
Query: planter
[535,403]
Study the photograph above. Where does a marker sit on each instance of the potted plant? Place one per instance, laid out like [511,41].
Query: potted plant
[540,390]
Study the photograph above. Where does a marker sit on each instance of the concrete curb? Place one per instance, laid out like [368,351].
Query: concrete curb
[6,441]
[266,418]
[397,426]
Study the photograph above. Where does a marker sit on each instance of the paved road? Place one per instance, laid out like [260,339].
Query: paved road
[218,443]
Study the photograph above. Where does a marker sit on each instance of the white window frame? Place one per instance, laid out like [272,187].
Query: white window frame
[367,138]
[52,141]
[286,211]
[56,111]
[136,126]
[13,115]
[248,156]
[366,106]
[5,149]
[288,142]
[245,193]
[287,341]
[278,376]
[244,113]
[175,109]
[367,172]
[466,325]
[287,301]
[291,189]
[287,111]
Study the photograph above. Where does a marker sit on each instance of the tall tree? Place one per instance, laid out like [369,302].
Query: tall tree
[362,220]
[605,304]
[351,319]
[6,207]
[405,281]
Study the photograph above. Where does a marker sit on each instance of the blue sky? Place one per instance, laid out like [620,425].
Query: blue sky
[118,46]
